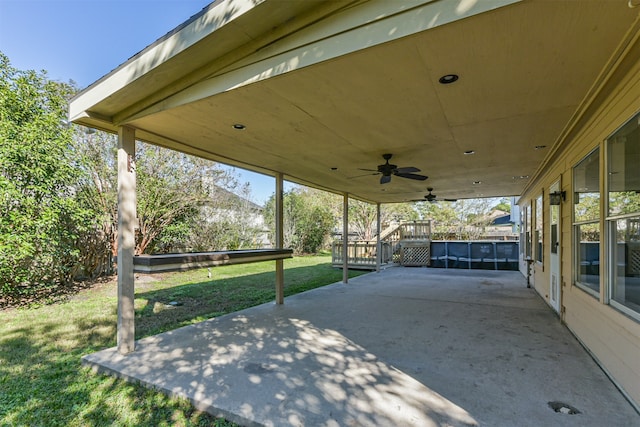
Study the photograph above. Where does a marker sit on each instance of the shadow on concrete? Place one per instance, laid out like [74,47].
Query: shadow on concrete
[424,347]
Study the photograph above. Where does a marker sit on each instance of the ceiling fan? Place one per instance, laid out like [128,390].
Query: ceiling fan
[387,170]
[432,197]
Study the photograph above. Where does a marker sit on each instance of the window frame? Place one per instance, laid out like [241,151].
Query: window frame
[526,231]
[538,233]
[575,228]
[611,227]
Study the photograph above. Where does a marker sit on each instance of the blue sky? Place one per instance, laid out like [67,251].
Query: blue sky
[83,40]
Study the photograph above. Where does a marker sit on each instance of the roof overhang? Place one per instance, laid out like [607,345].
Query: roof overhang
[325,88]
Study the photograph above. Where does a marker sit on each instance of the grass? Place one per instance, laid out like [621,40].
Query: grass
[42,382]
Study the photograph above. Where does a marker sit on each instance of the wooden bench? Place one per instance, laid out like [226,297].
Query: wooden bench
[187,261]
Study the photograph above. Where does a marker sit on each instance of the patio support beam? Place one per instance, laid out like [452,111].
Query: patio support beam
[378,243]
[345,238]
[279,239]
[126,239]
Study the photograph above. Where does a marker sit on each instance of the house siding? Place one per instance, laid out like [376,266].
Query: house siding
[612,337]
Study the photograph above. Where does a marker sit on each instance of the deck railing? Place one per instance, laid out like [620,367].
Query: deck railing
[410,244]
[415,230]
[362,253]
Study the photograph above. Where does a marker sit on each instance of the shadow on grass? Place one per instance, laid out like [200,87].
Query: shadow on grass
[164,309]
[42,382]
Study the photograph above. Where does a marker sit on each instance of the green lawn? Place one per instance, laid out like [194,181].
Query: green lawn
[43,384]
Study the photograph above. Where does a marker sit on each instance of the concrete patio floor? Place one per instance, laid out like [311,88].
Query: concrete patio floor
[403,347]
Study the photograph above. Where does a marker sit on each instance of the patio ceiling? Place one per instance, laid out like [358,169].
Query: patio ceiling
[324,89]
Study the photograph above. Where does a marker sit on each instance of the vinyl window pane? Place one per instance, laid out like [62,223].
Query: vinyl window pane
[623,169]
[625,288]
[588,255]
[586,188]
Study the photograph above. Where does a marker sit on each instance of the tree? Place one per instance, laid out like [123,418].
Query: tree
[462,220]
[41,214]
[478,215]
[97,189]
[171,189]
[363,217]
[307,222]
[179,198]
[231,221]
[446,221]
[503,205]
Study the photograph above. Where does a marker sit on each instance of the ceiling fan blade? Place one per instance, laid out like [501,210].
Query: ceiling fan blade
[450,200]
[385,179]
[369,170]
[406,170]
[366,174]
[412,176]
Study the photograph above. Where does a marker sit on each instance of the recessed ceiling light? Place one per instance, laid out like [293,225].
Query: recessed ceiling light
[239,126]
[334,168]
[448,79]
[540,147]
[477,182]
[468,152]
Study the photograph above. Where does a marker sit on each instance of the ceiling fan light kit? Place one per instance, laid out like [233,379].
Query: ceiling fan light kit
[388,170]
[431,198]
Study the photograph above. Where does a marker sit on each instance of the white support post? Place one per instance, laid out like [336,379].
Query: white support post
[345,238]
[279,239]
[126,239]
[378,242]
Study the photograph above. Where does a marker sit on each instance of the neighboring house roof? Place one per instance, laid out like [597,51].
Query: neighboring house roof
[234,197]
[502,220]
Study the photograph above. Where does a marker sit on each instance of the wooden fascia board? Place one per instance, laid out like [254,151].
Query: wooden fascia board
[358,27]
[208,21]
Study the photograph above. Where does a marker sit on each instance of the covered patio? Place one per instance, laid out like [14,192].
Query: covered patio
[354,97]
[406,346]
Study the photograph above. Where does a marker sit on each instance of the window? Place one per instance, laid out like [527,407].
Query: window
[538,232]
[623,216]
[586,223]
[525,240]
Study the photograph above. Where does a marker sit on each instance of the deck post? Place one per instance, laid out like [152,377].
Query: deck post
[378,242]
[126,239]
[345,238]
[279,239]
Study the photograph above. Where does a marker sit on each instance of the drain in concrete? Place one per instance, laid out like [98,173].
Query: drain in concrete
[563,408]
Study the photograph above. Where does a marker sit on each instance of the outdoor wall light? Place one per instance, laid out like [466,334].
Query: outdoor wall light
[448,79]
[557,197]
